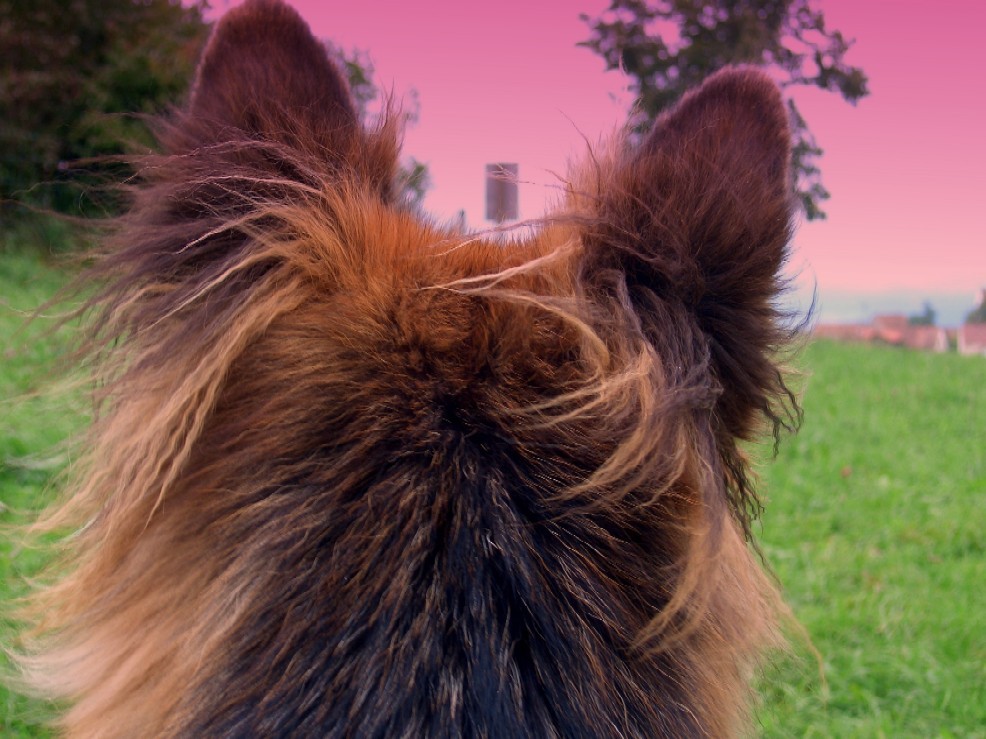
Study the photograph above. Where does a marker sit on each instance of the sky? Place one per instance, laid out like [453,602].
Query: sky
[505,81]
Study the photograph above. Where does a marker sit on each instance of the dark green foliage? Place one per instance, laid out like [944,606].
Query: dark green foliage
[358,69]
[670,46]
[72,76]
[978,314]
[357,65]
[927,317]
[77,79]
[414,181]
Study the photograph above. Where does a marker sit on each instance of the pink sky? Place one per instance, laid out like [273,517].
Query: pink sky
[504,81]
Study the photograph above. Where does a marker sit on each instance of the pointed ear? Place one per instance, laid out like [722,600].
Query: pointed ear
[263,72]
[270,124]
[696,221]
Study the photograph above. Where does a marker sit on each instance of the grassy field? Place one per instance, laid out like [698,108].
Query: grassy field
[32,424]
[875,525]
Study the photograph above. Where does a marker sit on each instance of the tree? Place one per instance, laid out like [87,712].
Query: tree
[78,78]
[978,314]
[927,317]
[71,76]
[413,179]
[670,46]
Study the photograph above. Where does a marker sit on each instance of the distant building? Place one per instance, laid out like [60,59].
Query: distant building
[926,338]
[895,322]
[972,338]
[852,332]
[891,329]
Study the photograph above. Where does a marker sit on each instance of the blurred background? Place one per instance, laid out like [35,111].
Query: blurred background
[875,519]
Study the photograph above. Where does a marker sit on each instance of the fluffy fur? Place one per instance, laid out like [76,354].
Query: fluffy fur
[355,474]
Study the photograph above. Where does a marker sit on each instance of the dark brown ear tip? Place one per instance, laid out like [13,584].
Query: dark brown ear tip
[749,85]
[734,94]
[728,102]
[256,23]
[258,14]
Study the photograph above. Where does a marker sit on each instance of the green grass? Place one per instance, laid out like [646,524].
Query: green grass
[33,422]
[876,527]
[875,524]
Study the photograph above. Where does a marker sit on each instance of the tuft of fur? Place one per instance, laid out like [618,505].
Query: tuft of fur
[356,474]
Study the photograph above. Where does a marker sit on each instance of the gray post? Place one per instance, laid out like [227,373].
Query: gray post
[501,192]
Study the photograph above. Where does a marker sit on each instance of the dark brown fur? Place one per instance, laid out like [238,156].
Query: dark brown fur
[355,474]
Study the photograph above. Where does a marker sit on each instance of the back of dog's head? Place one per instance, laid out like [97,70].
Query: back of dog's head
[354,473]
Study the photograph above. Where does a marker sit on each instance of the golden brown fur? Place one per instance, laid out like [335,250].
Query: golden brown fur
[356,474]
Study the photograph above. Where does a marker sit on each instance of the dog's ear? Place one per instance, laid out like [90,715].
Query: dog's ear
[696,221]
[264,73]
[270,126]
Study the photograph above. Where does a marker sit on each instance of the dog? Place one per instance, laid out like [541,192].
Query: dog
[355,473]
